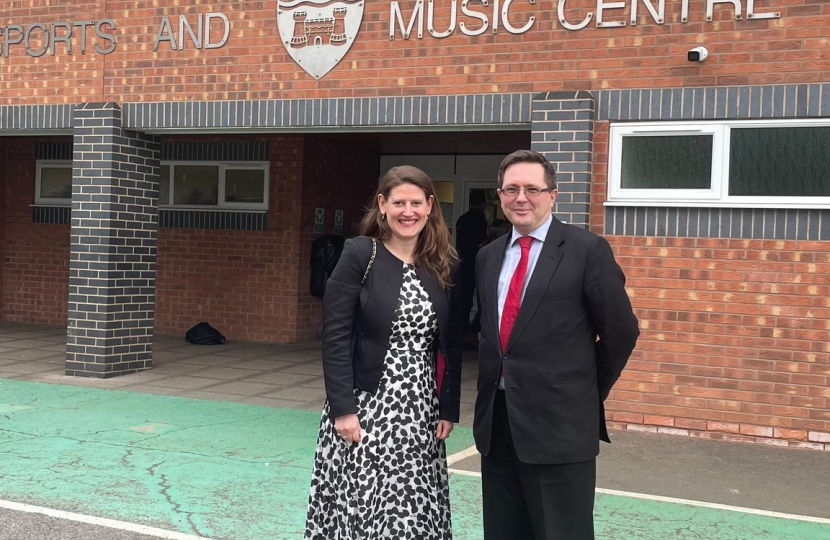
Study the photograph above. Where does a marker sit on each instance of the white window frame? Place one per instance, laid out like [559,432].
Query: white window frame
[221,204]
[718,194]
[50,164]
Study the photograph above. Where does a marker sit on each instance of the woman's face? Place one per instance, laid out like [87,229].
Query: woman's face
[406,211]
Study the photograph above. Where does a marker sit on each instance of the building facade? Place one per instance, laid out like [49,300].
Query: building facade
[163,165]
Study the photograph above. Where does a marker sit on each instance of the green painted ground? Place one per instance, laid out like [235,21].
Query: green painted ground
[241,472]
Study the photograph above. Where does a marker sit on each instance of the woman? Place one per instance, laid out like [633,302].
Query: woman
[380,470]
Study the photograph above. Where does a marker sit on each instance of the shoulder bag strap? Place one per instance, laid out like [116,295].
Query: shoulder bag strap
[371,261]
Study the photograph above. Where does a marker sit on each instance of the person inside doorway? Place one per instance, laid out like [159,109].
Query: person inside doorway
[472,232]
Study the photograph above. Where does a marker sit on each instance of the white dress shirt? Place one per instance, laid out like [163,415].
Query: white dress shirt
[513,254]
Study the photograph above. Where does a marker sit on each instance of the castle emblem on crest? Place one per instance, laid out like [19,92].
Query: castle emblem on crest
[318,33]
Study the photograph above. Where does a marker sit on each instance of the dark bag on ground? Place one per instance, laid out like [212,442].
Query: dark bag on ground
[204,334]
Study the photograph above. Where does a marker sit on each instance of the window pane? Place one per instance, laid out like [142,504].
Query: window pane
[784,162]
[196,184]
[164,185]
[245,185]
[56,182]
[667,162]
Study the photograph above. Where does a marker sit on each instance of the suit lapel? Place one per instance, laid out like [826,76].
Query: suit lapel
[543,272]
[491,282]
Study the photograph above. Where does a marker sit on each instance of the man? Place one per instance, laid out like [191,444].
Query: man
[557,329]
[471,232]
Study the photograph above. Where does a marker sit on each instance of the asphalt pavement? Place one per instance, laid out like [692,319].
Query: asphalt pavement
[19,525]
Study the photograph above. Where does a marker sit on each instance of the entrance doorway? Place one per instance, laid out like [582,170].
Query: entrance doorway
[463,182]
[456,177]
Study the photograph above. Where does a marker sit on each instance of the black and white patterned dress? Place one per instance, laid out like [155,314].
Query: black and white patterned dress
[393,485]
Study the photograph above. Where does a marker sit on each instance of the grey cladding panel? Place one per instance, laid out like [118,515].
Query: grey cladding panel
[791,224]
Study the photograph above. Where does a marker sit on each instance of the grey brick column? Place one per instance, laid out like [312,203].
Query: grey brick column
[112,268]
[562,125]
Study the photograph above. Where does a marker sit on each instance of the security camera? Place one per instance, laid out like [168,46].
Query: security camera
[698,54]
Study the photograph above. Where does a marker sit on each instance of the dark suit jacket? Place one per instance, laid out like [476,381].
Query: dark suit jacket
[357,323]
[572,337]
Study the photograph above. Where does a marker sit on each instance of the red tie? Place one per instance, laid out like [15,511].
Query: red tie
[514,292]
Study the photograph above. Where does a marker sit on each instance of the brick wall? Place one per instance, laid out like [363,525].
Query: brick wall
[735,339]
[746,366]
[255,284]
[336,176]
[253,64]
[112,261]
[245,283]
[249,284]
[562,130]
[35,273]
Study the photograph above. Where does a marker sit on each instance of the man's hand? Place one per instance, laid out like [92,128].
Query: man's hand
[444,429]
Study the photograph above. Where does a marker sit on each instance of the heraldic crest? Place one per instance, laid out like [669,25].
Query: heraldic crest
[318,33]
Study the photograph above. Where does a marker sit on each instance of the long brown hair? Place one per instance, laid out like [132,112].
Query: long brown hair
[434,250]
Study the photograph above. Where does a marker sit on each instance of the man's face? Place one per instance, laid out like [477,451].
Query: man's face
[526,213]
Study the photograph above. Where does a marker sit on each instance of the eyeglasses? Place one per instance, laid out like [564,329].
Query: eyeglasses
[530,192]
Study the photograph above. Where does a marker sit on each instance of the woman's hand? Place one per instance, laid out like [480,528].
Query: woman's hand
[444,429]
[348,428]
